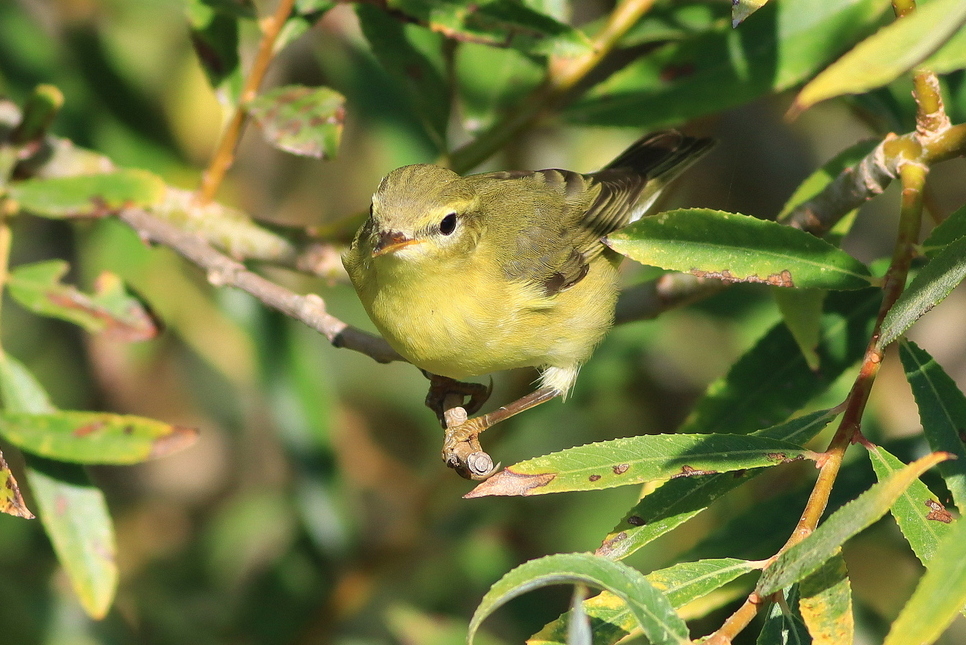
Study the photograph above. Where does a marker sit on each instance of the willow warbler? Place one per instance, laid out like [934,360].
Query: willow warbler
[465,276]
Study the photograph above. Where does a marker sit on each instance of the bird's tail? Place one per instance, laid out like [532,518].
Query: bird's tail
[662,154]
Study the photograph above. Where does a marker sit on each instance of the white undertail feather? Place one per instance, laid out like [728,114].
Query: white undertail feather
[560,379]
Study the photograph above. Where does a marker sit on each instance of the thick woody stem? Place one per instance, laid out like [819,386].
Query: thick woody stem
[224,155]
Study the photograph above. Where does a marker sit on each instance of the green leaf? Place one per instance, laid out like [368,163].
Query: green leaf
[825,602]
[612,620]
[940,595]
[893,50]
[749,396]
[923,520]
[950,57]
[942,410]
[214,36]
[94,437]
[73,512]
[413,56]
[949,230]
[501,23]
[930,287]
[650,607]
[75,515]
[678,500]
[808,555]
[88,195]
[801,310]
[782,45]
[492,81]
[11,501]
[305,121]
[783,627]
[738,248]
[109,310]
[634,460]
[741,9]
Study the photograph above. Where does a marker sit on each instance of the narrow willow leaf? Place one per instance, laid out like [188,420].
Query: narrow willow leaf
[949,230]
[940,595]
[825,603]
[73,512]
[502,23]
[678,500]
[413,56]
[782,627]
[801,310]
[88,195]
[305,121]
[741,9]
[781,46]
[883,57]
[738,248]
[942,410]
[930,287]
[611,618]
[950,57]
[923,520]
[214,36]
[109,310]
[11,501]
[94,437]
[634,460]
[809,554]
[649,606]
[749,397]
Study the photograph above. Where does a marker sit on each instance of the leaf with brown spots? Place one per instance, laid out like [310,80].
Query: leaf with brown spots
[96,195]
[305,121]
[825,603]
[634,460]
[110,310]
[11,501]
[737,248]
[94,437]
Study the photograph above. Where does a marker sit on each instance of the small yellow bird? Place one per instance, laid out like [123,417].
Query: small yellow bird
[465,276]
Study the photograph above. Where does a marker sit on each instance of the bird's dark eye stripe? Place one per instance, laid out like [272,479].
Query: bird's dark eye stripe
[448,224]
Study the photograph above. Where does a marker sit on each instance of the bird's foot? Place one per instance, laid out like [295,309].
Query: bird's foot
[461,447]
[440,387]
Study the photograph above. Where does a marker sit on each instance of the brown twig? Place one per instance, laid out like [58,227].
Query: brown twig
[224,271]
[224,154]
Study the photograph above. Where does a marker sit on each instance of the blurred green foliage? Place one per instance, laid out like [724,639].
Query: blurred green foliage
[314,507]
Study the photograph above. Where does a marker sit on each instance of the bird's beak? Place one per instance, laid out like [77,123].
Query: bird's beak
[391,241]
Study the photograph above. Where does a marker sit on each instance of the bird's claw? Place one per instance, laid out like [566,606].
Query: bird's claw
[462,451]
[441,387]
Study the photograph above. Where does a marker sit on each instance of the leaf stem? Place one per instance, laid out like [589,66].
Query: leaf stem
[224,154]
[563,76]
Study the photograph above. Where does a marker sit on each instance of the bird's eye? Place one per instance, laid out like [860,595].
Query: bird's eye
[448,224]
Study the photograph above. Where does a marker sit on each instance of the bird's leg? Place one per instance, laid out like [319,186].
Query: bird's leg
[461,444]
[440,387]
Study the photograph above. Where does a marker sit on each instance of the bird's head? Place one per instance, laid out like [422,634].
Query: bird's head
[423,211]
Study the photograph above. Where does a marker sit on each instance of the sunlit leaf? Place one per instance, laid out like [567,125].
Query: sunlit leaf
[88,195]
[940,595]
[302,120]
[930,287]
[497,22]
[612,620]
[634,460]
[94,437]
[11,501]
[741,9]
[784,624]
[738,248]
[950,57]
[923,520]
[780,46]
[801,310]
[825,603]
[951,229]
[892,51]
[808,555]
[678,500]
[942,410]
[650,607]
[109,310]
[749,397]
